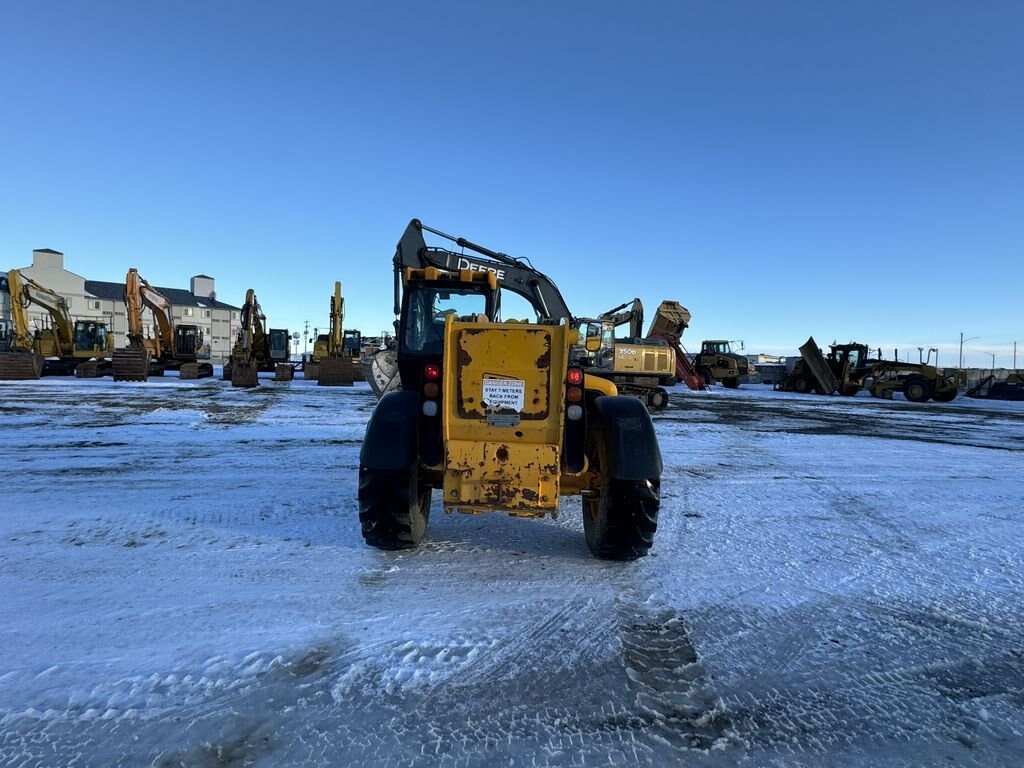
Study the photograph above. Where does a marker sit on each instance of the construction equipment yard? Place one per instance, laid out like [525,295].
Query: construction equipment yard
[835,581]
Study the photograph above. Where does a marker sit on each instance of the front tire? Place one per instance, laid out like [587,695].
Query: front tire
[730,383]
[620,520]
[917,389]
[394,507]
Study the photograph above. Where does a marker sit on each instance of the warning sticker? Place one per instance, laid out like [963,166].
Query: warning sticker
[504,393]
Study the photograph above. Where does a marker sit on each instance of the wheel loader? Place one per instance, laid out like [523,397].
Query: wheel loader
[494,416]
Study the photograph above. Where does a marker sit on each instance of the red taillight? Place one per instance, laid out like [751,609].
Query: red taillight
[574,376]
[431,371]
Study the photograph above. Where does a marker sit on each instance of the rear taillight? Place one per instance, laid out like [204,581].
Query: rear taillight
[574,376]
[431,388]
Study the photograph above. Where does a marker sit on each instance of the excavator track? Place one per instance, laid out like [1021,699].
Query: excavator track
[20,366]
[244,375]
[131,365]
[336,372]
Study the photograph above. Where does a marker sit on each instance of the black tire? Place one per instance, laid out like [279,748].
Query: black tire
[620,520]
[394,507]
[705,373]
[945,396]
[804,385]
[849,390]
[731,383]
[917,389]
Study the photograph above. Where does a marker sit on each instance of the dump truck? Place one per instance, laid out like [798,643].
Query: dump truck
[258,348]
[848,368]
[66,346]
[494,416]
[668,324]
[717,361]
[175,346]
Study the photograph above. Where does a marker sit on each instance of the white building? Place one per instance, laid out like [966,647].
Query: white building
[104,301]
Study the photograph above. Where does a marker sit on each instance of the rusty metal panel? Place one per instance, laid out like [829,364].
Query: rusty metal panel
[506,476]
[492,353]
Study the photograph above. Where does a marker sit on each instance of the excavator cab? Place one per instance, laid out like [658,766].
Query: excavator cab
[188,341]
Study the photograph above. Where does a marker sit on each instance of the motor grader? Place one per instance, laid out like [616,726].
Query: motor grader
[849,368]
[257,348]
[175,347]
[81,347]
[494,416]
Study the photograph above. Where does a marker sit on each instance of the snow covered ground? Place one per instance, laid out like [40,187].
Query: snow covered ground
[835,581]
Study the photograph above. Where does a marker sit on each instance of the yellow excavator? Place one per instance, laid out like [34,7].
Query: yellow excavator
[80,347]
[638,365]
[332,364]
[258,348]
[175,347]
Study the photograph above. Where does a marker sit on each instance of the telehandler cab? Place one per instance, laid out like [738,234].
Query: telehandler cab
[494,415]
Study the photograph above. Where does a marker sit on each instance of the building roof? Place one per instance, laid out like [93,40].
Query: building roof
[46,250]
[179,297]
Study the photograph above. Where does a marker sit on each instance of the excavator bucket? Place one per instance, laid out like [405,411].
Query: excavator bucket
[244,375]
[131,364]
[382,373]
[195,370]
[20,366]
[284,372]
[336,372]
[92,369]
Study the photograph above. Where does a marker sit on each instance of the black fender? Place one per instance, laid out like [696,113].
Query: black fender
[390,441]
[632,445]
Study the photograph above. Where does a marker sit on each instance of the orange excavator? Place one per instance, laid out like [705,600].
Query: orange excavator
[176,347]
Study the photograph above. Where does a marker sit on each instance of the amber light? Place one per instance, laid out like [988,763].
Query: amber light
[574,376]
[430,389]
[432,371]
[573,394]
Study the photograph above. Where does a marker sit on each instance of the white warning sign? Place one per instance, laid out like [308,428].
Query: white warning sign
[505,393]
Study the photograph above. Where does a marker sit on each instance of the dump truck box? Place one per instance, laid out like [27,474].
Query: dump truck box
[811,353]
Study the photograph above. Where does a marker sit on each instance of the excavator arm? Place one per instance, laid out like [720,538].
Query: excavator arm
[634,317]
[513,274]
[334,340]
[138,293]
[24,292]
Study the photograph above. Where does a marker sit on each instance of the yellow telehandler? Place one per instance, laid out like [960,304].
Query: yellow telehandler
[497,417]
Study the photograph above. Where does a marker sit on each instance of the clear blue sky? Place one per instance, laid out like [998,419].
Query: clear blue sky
[852,171]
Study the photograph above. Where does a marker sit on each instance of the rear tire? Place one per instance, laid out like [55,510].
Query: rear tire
[730,383]
[394,507]
[803,384]
[946,396]
[917,389]
[620,520]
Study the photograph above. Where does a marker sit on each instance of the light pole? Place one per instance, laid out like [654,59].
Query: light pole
[962,340]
